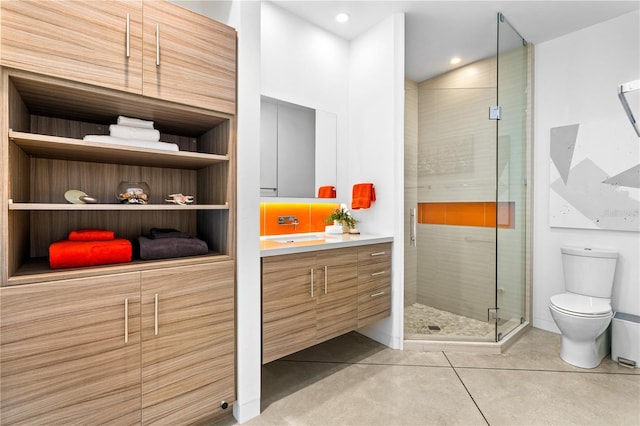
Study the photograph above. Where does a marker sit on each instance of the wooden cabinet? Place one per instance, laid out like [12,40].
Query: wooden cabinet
[97,42]
[374,283]
[79,345]
[308,298]
[98,350]
[70,351]
[289,294]
[188,343]
[188,58]
[150,47]
[337,308]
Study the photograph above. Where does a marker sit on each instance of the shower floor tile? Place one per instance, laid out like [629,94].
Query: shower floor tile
[422,321]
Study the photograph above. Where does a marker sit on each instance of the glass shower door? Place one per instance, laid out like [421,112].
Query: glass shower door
[511,178]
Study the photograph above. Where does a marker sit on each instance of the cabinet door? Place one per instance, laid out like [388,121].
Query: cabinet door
[70,351]
[288,304]
[188,343]
[188,58]
[337,309]
[78,40]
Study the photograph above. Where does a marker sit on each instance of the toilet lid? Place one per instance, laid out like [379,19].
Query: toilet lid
[580,304]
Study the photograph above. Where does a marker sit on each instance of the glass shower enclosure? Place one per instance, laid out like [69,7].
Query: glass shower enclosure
[466,157]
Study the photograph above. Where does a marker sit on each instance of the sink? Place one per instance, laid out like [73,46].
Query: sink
[296,238]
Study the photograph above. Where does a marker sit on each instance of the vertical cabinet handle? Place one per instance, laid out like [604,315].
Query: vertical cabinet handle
[128,40]
[155,315]
[326,272]
[311,282]
[126,320]
[157,45]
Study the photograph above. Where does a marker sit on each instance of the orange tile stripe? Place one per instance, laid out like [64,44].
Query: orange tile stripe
[311,217]
[468,214]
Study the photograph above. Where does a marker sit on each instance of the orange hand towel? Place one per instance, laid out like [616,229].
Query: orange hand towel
[327,192]
[363,195]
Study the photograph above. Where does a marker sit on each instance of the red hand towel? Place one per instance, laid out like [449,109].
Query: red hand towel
[363,195]
[70,254]
[91,235]
[327,192]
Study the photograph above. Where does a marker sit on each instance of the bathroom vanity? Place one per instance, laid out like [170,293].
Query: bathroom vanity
[316,287]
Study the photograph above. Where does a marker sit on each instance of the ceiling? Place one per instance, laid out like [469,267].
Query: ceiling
[435,31]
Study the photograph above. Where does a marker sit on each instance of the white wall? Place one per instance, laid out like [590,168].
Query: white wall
[576,78]
[375,152]
[305,65]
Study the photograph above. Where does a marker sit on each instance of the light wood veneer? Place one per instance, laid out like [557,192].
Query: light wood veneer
[308,298]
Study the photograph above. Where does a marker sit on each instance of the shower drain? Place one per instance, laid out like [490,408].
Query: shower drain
[433,327]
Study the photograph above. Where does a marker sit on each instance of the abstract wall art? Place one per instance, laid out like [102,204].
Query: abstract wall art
[594,180]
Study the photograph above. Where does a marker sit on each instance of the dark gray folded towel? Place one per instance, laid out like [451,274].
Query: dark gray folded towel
[165,248]
[157,233]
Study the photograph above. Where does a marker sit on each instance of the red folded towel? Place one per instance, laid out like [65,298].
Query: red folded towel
[91,235]
[327,192]
[363,195]
[70,254]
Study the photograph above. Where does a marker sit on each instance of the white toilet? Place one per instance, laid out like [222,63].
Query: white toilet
[583,313]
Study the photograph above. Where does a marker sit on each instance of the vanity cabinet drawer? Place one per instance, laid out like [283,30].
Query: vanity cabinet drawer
[374,267]
[374,283]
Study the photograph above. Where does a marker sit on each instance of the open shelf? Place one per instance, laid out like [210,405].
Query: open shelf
[47,120]
[115,207]
[60,148]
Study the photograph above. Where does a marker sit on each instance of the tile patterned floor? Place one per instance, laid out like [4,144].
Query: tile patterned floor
[420,320]
[354,381]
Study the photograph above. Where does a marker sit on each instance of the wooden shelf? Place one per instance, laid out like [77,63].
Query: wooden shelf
[115,207]
[37,269]
[79,150]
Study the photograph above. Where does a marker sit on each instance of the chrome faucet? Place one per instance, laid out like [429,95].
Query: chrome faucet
[288,220]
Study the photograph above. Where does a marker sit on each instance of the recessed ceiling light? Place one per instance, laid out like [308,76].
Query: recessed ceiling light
[342,17]
[455,60]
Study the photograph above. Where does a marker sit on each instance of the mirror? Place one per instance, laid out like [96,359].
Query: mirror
[297,149]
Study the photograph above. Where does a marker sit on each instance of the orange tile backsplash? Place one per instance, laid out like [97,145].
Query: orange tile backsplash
[311,217]
[468,214]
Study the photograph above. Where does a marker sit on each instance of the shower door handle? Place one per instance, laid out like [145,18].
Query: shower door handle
[412,227]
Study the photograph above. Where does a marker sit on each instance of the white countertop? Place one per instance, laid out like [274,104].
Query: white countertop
[275,245]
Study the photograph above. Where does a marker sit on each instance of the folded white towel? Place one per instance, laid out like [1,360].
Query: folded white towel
[132,142]
[127,132]
[134,122]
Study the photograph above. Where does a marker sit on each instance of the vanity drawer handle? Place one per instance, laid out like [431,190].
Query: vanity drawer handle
[380,293]
[311,282]
[379,253]
[375,274]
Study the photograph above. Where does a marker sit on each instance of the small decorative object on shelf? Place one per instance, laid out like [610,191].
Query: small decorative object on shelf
[75,196]
[343,216]
[179,199]
[133,193]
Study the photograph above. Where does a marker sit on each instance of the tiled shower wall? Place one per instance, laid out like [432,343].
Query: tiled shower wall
[453,187]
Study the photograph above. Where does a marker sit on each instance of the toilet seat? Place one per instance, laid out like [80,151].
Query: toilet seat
[580,305]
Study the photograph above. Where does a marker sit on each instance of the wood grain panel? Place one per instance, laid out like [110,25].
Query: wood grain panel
[78,40]
[337,308]
[64,356]
[374,305]
[288,308]
[374,283]
[197,58]
[192,356]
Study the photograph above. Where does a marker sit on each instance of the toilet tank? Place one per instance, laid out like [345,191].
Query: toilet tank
[589,271]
